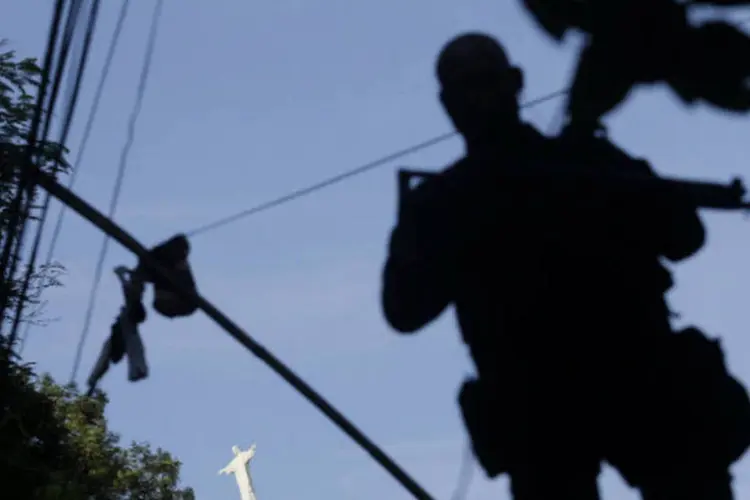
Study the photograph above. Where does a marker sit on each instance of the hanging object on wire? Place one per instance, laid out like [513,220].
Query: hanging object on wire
[633,42]
[124,336]
[173,255]
[125,339]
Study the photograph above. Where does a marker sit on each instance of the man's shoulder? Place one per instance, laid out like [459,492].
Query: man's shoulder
[600,154]
[534,147]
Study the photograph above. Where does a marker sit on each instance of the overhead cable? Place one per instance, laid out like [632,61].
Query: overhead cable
[17,223]
[24,187]
[67,122]
[36,120]
[25,192]
[124,155]
[385,160]
[77,164]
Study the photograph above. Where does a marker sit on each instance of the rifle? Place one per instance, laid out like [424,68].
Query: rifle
[706,195]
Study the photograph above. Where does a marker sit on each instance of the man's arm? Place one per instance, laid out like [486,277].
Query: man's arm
[671,218]
[679,228]
[684,233]
[418,277]
[415,290]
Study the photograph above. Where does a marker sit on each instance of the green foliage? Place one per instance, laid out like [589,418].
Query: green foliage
[19,80]
[54,442]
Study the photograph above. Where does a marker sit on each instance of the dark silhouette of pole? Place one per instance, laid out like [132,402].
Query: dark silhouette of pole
[106,225]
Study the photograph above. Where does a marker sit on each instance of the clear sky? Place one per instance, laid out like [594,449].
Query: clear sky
[250,99]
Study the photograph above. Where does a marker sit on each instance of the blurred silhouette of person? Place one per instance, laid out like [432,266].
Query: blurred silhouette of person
[558,290]
[635,42]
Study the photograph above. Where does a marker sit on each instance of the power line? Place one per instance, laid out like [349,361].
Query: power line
[67,122]
[28,188]
[15,208]
[84,142]
[25,212]
[26,205]
[299,193]
[141,92]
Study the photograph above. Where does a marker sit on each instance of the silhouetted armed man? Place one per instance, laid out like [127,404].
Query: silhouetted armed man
[558,292]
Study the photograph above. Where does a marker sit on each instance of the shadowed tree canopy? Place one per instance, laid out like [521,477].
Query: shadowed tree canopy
[55,444]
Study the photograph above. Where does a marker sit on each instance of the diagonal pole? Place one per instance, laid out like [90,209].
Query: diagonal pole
[117,233]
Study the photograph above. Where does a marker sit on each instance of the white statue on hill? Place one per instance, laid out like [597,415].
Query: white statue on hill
[239,466]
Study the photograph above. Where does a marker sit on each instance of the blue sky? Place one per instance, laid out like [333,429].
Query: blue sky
[248,100]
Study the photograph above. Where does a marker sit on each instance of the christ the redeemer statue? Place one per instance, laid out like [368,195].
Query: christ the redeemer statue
[239,466]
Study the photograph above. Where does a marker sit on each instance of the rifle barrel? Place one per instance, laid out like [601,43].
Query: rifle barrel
[709,195]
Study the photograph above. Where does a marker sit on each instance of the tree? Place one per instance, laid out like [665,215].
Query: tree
[54,442]
[18,82]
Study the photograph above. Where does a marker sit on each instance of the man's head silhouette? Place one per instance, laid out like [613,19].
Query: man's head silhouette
[479,88]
